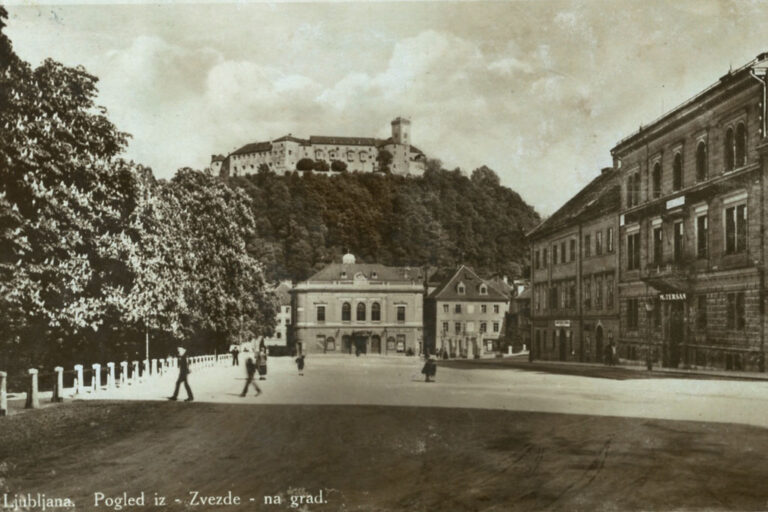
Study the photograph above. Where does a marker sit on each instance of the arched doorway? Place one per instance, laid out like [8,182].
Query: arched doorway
[599,344]
[375,345]
[563,345]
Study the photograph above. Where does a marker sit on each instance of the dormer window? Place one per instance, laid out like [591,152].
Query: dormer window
[343,275]
[483,290]
[460,288]
[374,275]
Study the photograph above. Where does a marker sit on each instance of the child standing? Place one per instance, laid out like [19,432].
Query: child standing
[300,364]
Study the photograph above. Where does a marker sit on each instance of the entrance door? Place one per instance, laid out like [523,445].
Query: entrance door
[346,344]
[375,345]
[361,344]
[599,344]
[563,345]
[676,332]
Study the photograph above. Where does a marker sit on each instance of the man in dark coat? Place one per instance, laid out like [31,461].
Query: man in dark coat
[183,372]
[250,369]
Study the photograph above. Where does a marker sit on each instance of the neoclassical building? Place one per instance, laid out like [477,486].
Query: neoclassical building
[358,153]
[364,308]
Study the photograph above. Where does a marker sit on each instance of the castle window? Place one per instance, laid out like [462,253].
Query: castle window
[701,161]
[677,172]
[360,312]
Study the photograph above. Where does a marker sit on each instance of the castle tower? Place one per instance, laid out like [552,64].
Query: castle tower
[401,131]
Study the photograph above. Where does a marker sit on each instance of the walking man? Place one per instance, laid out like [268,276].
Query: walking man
[183,372]
[250,369]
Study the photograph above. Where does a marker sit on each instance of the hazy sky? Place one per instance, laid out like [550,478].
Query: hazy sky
[539,91]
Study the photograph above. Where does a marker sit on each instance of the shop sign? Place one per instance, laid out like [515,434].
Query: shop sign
[672,296]
[562,323]
[674,203]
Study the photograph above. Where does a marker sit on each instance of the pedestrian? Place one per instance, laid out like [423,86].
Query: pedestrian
[613,354]
[235,351]
[430,369]
[183,373]
[261,362]
[607,355]
[250,370]
[300,364]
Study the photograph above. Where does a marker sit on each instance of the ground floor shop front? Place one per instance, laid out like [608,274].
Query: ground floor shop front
[581,339]
[388,341]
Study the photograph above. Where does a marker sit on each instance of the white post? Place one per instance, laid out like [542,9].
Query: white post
[33,401]
[123,372]
[154,367]
[135,377]
[79,383]
[111,377]
[58,391]
[146,368]
[3,395]
[96,379]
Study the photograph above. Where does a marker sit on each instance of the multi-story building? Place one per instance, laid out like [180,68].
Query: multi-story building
[359,308]
[693,222]
[465,314]
[518,321]
[357,153]
[574,255]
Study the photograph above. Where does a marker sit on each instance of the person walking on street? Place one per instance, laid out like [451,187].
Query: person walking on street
[300,364]
[183,373]
[250,369]
[261,361]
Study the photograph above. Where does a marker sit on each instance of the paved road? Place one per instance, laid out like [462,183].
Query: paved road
[344,380]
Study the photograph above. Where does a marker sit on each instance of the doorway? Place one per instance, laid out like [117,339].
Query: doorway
[676,332]
[375,345]
[563,345]
[599,344]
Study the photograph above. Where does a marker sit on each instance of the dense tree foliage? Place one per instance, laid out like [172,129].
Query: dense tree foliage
[94,252]
[440,219]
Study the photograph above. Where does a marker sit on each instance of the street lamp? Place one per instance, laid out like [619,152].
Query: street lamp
[649,306]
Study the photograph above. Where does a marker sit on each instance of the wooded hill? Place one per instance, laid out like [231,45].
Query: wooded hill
[307,220]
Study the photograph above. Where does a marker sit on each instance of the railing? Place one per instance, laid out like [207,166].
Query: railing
[81,380]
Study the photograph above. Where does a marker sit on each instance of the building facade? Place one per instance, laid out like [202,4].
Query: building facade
[465,315]
[692,234]
[574,275]
[359,308]
[357,153]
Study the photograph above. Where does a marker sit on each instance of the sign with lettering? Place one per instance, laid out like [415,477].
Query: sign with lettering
[562,323]
[674,203]
[672,296]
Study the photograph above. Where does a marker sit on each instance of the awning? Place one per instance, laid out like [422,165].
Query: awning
[669,283]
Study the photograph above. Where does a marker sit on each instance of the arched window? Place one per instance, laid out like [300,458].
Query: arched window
[376,312]
[656,180]
[677,172]
[630,194]
[701,161]
[360,311]
[741,145]
[728,148]
[346,312]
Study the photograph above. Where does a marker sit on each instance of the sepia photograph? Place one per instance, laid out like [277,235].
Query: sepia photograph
[417,256]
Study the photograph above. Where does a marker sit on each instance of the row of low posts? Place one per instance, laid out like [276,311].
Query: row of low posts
[150,368]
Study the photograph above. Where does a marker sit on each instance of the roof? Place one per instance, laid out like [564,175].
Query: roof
[449,289]
[600,197]
[254,147]
[414,149]
[343,141]
[500,285]
[526,295]
[217,158]
[282,292]
[291,138]
[369,271]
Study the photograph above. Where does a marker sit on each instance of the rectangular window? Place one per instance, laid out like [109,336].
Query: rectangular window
[544,258]
[736,318]
[563,254]
[609,240]
[553,298]
[554,254]
[599,292]
[587,246]
[483,326]
[446,308]
[573,250]
[457,327]
[632,318]
[633,251]
[572,295]
[445,326]
[495,326]
[609,291]
[678,245]
[658,247]
[321,314]
[496,308]
[483,308]
[457,308]
[598,243]
[736,229]
[587,293]
[701,312]
[401,313]
[537,260]
[702,241]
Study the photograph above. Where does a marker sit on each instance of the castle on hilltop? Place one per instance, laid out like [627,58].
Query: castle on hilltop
[339,153]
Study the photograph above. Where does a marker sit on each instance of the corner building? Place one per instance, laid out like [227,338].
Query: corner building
[692,229]
[359,308]
[574,255]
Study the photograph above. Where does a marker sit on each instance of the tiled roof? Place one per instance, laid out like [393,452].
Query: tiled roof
[414,149]
[343,141]
[283,294]
[371,272]
[600,197]
[254,147]
[449,289]
[291,138]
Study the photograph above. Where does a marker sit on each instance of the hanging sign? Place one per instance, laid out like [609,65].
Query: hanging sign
[562,323]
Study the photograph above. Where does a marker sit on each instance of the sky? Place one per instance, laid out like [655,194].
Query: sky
[538,91]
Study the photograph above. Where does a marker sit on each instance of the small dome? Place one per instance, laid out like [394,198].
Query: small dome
[348,259]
